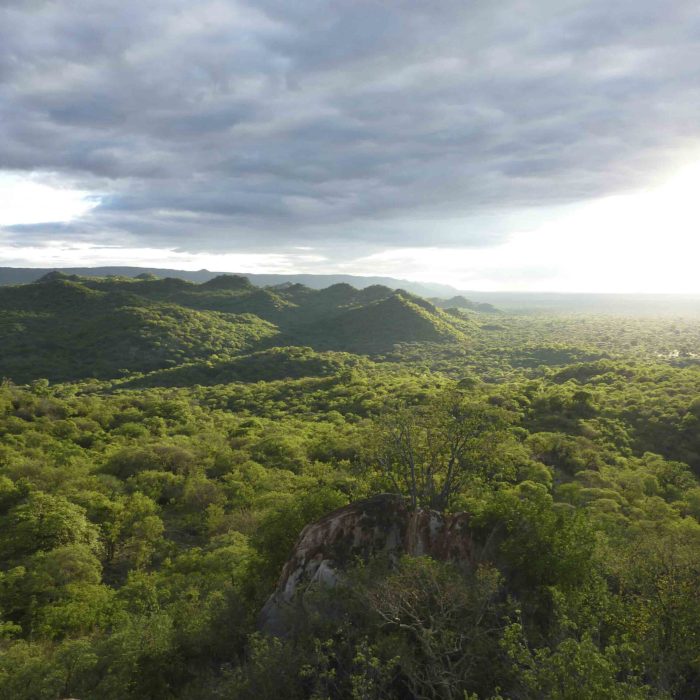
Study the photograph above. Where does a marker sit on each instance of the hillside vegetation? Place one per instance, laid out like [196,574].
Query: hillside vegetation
[68,327]
[164,443]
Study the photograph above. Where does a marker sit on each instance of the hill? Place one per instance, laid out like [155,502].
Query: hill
[66,327]
[24,275]
[379,325]
[460,302]
[443,295]
[274,364]
[63,330]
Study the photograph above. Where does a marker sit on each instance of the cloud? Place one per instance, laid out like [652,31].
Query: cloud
[344,125]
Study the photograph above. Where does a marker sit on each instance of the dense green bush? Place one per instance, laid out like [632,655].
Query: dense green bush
[145,517]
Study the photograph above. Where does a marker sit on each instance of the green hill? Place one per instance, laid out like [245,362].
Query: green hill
[266,365]
[68,327]
[20,275]
[378,326]
[62,330]
[226,293]
[460,302]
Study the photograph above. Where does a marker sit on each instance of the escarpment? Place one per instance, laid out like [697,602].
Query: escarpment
[381,526]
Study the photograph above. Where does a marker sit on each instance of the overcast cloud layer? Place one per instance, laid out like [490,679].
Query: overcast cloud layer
[343,125]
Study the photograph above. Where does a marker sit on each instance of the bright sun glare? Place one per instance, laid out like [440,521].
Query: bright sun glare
[641,242]
[644,242]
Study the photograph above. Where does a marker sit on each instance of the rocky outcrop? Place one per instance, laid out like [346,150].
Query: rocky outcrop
[383,525]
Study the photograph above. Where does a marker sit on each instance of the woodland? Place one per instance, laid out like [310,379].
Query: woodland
[163,444]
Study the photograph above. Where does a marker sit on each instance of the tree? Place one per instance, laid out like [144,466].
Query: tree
[430,452]
[45,521]
[443,626]
[573,670]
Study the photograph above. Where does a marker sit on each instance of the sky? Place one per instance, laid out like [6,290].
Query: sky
[549,145]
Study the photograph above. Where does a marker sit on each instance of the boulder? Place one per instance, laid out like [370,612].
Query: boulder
[381,526]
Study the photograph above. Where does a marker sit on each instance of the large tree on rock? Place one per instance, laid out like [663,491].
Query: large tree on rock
[430,452]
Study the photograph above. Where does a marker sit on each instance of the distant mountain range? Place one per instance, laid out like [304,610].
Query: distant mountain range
[442,295]
[23,275]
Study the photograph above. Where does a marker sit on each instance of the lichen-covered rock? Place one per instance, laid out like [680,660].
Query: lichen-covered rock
[384,525]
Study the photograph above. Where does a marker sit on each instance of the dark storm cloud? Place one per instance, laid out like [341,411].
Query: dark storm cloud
[230,125]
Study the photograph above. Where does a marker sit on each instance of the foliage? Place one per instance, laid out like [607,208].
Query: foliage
[145,514]
[432,452]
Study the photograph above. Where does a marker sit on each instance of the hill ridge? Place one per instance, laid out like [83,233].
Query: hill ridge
[106,327]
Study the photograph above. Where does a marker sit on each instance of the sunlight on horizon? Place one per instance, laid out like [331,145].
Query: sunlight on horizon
[646,241]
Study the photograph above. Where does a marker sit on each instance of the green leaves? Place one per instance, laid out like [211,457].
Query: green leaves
[432,452]
[144,518]
[43,522]
[575,669]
